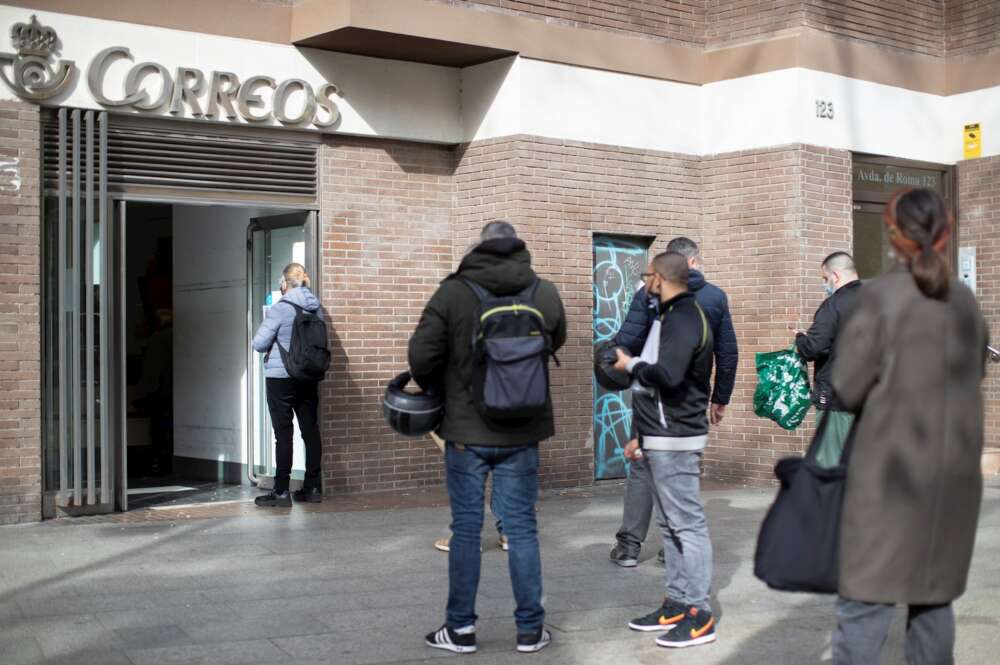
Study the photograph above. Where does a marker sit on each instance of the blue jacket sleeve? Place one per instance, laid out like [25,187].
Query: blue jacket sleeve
[727,358]
[635,328]
[268,331]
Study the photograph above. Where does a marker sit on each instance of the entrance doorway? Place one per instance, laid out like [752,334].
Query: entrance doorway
[187,285]
[874,179]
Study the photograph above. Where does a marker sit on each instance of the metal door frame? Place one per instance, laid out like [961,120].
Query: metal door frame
[119,204]
[268,223]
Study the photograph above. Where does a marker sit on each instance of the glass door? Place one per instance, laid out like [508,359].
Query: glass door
[272,243]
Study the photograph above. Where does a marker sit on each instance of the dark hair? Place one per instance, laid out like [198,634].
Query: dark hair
[923,217]
[497,229]
[673,267]
[684,246]
[839,260]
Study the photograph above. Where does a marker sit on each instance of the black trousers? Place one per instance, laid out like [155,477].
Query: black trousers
[301,398]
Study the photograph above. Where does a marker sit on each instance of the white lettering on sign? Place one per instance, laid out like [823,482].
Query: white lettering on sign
[10,174]
[187,89]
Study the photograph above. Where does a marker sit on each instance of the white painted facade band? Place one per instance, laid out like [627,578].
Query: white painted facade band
[403,100]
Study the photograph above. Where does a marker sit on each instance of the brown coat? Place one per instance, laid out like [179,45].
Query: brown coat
[913,367]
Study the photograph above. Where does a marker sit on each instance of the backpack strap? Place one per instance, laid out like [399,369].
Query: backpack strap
[704,327]
[529,293]
[482,293]
[298,308]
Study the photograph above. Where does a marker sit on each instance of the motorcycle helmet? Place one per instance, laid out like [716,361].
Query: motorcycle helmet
[411,412]
[607,376]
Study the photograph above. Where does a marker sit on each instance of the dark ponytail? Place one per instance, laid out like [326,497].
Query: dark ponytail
[923,219]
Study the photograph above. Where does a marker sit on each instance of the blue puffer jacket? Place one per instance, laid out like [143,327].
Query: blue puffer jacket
[277,325]
[632,335]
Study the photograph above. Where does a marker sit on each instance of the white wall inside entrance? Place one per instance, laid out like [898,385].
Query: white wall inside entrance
[210,301]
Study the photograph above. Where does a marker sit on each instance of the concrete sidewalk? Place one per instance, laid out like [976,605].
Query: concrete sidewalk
[346,588]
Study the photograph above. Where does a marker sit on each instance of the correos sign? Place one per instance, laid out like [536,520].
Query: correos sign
[149,86]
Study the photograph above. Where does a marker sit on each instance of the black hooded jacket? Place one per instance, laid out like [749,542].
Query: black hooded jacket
[818,345]
[440,352]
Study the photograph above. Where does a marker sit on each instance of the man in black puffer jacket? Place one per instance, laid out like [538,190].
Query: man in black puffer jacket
[638,506]
[441,356]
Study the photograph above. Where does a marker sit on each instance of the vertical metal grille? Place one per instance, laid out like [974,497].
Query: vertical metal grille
[79,174]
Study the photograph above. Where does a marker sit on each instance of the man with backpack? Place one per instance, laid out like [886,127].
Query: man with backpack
[670,423]
[485,339]
[294,340]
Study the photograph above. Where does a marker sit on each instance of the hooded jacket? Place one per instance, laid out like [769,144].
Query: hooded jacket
[674,375]
[277,326]
[713,301]
[818,345]
[440,352]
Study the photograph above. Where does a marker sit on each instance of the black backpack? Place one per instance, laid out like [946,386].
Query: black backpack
[511,349]
[309,357]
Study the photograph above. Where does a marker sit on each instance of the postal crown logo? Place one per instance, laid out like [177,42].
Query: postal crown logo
[31,76]
[33,38]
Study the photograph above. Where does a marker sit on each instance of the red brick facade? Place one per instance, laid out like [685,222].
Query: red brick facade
[916,26]
[678,20]
[979,227]
[559,194]
[386,242]
[397,218]
[973,26]
[770,216]
[20,373]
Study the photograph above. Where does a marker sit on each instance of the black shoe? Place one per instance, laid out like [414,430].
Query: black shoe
[625,557]
[665,618]
[310,495]
[450,640]
[660,557]
[533,641]
[698,627]
[274,500]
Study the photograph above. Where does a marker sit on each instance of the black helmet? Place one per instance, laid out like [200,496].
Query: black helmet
[411,413]
[607,376]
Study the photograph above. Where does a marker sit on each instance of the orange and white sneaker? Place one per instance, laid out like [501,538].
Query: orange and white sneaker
[698,627]
[664,618]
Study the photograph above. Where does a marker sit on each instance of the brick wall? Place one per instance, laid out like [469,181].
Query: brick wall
[979,226]
[917,26]
[386,242]
[559,194]
[911,25]
[678,20]
[733,21]
[972,26]
[20,374]
[770,217]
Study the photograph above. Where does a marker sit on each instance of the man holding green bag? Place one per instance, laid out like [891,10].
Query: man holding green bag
[816,345]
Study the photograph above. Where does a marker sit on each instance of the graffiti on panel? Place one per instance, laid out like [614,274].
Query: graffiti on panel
[618,266]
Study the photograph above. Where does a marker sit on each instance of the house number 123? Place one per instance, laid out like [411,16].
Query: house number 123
[824,109]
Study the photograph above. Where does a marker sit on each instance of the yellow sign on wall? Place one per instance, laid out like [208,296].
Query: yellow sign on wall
[973,141]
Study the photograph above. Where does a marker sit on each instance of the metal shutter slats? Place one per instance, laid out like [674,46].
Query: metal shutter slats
[184,159]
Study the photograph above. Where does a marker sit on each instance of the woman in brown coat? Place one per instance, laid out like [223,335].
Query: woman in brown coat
[911,361]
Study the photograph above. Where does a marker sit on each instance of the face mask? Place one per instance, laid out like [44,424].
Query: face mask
[829,288]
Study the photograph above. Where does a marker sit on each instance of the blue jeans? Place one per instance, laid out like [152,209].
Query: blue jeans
[515,491]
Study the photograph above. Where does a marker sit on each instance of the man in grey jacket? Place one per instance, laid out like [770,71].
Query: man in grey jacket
[286,395]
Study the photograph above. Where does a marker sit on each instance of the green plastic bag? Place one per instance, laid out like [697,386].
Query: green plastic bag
[782,388]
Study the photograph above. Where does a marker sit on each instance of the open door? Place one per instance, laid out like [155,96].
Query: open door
[272,243]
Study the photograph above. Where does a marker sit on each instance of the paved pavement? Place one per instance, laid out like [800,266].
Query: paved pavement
[362,587]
